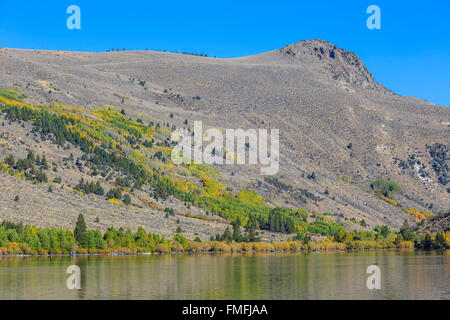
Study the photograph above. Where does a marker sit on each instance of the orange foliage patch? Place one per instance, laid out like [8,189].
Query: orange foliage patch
[418,215]
[391,201]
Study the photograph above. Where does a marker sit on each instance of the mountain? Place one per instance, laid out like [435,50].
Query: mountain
[349,147]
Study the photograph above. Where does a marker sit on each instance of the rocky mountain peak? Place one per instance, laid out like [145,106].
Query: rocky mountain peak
[342,65]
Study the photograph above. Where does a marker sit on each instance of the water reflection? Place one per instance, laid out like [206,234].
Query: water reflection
[404,275]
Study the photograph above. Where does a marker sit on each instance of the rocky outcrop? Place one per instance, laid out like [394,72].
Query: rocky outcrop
[342,65]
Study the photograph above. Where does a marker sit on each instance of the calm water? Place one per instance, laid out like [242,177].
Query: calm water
[404,275]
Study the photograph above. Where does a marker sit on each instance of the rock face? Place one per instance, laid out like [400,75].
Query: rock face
[334,119]
[342,65]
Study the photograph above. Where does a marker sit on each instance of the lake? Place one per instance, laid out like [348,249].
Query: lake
[404,275]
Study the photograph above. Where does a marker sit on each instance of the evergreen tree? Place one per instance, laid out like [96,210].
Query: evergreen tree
[237,236]
[398,239]
[227,235]
[427,243]
[250,228]
[80,231]
[98,190]
[30,156]
[384,231]
[44,163]
[406,231]
[114,193]
[127,199]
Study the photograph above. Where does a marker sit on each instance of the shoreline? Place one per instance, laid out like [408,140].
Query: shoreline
[181,253]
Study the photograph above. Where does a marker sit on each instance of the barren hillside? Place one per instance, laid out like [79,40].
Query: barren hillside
[340,129]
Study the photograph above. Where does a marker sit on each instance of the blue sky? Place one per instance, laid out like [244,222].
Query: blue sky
[410,54]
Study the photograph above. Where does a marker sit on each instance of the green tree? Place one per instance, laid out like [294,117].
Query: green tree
[250,228]
[44,163]
[98,190]
[398,239]
[226,235]
[427,242]
[80,231]
[406,232]
[237,236]
[127,199]
[384,231]
[30,156]
[440,240]
[115,193]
